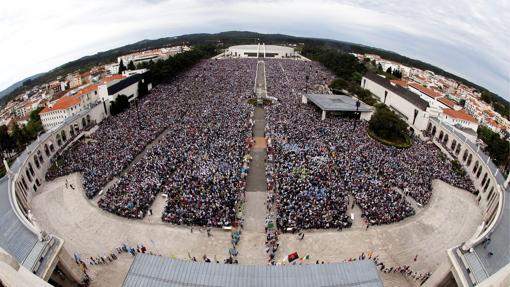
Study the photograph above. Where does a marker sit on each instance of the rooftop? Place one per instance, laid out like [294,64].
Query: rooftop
[154,271]
[429,92]
[63,103]
[86,90]
[459,115]
[447,102]
[341,103]
[402,92]
[126,82]
[402,83]
[111,78]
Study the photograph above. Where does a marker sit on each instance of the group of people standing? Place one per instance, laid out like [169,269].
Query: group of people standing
[315,166]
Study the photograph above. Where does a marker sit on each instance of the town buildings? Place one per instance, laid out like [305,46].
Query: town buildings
[56,112]
[449,100]
[145,57]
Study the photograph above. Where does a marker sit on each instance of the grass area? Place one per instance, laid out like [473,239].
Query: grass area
[404,143]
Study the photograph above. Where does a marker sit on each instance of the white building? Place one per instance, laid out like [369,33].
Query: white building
[458,118]
[260,51]
[112,68]
[434,98]
[116,85]
[56,86]
[129,73]
[24,109]
[151,55]
[411,107]
[55,113]
[74,80]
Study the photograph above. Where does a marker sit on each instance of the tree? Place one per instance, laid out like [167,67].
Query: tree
[142,89]
[486,97]
[34,125]
[120,104]
[387,125]
[397,73]
[122,68]
[6,143]
[388,70]
[131,66]
[19,137]
[166,70]
[498,148]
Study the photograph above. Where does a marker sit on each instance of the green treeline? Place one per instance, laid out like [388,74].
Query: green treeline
[497,148]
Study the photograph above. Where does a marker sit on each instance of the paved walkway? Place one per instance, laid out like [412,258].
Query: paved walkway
[451,218]
[252,245]
[91,231]
[256,180]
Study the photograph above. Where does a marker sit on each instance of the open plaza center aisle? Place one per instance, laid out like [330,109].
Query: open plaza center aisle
[253,239]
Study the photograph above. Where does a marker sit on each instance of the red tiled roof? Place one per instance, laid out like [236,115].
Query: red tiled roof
[108,79]
[447,102]
[459,115]
[489,113]
[492,122]
[63,103]
[402,83]
[429,92]
[86,90]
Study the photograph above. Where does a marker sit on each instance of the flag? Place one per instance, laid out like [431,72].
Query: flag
[292,256]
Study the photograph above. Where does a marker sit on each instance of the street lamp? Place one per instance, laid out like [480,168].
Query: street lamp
[307,77]
[138,114]
[356,114]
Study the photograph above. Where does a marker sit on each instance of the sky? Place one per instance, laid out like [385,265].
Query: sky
[469,38]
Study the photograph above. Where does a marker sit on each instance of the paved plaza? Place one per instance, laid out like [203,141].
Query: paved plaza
[449,219]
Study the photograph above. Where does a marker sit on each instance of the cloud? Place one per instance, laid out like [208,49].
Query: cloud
[465,37]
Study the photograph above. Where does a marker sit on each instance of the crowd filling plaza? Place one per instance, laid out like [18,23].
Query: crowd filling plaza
[313,167]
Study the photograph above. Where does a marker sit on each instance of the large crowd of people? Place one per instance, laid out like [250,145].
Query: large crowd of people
[204,125]
[198,162]
[317,167]
[200,126]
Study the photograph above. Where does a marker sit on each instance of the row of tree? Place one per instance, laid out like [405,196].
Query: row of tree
[165,71]
[131,66]
[499,105]
[16,140]
[162,71]
[346,67]
[497,148]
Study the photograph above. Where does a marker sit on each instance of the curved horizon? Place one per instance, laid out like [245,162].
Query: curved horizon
[467,39]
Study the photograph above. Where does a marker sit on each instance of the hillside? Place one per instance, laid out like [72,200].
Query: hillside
[233,38]
[16,85]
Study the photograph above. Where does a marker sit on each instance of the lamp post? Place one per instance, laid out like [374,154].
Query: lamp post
[138,114]
[306,90]
[356,114]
